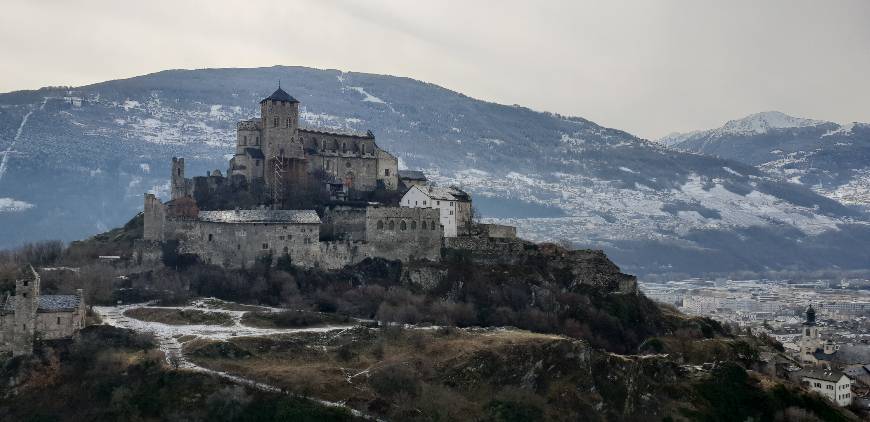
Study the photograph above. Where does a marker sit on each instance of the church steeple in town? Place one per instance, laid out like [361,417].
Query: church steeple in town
[811,316]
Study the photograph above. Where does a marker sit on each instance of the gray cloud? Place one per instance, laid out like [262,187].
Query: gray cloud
[649,67]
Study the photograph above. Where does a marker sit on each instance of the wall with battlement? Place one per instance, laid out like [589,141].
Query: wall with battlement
[404,233]
[343,222]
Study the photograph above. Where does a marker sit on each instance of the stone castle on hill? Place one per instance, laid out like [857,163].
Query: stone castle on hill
[275,150]
[365,207]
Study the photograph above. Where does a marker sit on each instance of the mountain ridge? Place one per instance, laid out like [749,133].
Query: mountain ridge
[87,154]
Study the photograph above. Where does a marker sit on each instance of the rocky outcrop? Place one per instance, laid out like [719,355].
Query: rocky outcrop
[572,268]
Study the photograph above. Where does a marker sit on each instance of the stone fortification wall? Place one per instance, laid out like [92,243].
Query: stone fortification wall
[343,222]
[154,218]
[404,233]
[336,255]
[497,231]
[234,245]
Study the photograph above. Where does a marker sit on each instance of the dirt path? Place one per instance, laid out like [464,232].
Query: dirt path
[167,339]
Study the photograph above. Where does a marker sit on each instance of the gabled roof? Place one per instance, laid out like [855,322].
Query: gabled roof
[279,95]
[261,216]
[412,175]
[46,303]
[444,194]
[333,132]
[822,374]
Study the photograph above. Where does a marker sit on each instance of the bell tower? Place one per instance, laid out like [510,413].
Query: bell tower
[809,342]
[282,146]
[26,302]
[280,114]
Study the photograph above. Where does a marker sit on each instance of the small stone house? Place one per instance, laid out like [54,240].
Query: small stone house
[29,316]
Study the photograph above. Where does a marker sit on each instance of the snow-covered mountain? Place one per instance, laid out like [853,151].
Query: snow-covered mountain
[832,159]
[79,159]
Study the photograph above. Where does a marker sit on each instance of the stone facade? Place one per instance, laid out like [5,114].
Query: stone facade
[28,316]
[404,233]
[239,238]
[274,149]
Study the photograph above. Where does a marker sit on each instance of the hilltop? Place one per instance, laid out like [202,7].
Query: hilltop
[653,210]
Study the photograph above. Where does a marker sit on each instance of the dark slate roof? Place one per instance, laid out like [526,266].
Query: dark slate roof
[255,153]
[412,175]
[261,216]
[332,132]
[280,95]
[820,355]
[822,374]
[47,303]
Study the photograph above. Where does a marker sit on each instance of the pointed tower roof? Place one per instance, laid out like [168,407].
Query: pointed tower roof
[280,95]
[811,316]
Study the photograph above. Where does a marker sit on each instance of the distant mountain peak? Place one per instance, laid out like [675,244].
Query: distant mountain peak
[764,121]
[753,124]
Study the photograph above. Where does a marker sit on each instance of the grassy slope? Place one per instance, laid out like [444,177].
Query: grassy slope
[109,374]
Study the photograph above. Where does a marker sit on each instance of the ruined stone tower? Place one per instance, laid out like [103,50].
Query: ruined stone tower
[26,302]
[179,184]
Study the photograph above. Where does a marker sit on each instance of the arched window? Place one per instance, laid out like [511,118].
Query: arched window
[403,226]
[275,121]
[423,225]
[289,121]
[363,148]
[256,140]
[244,140]
[432,225]
[392,225]
[344,147]
[413,225]
[380,225]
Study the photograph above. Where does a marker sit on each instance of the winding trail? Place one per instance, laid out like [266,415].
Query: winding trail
[167,339]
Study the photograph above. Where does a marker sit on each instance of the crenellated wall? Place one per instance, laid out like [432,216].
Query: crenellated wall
[404,233]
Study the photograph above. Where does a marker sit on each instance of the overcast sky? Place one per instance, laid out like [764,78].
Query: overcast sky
[648,67]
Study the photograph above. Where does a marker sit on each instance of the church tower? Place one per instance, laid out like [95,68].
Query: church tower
[282,145]
[26,303]
[809,342]
[280,114]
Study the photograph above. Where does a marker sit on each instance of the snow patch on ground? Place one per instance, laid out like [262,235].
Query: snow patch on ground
[369,98]
[729,170]
[842,130]
[128,104]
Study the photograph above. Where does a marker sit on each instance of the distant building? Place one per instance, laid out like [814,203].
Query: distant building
[453,204]
[814,350]
[834,385]
[28,316]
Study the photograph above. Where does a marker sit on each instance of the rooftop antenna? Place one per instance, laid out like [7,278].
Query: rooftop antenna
[279,84]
